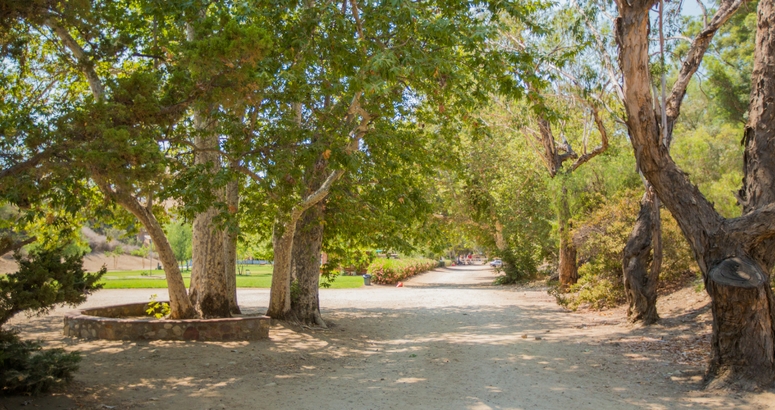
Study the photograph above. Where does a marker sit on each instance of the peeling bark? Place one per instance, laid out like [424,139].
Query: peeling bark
[307,245]
[208,288]
[230,248]
[285,226]
[280,293]
[640,279]
[569,273]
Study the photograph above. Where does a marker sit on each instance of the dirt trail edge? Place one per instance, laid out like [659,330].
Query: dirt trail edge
[447,340]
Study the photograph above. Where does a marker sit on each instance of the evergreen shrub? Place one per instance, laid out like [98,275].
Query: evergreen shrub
[46,278]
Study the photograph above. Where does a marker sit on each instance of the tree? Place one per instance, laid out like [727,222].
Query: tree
[179,235]
[129,134]
[340,76]
[498,195]
[567,102]
[734,255]
[108,133]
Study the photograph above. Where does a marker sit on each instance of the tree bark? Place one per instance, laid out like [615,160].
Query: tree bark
[280,293]
[734,255]
[640,280]
[230,248]
[305,265]
[208,288]
[569,273]
[180,305]
[282,242]
[500,243]
[743,340]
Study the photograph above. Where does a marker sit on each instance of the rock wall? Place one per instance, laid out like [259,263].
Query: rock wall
[129,322]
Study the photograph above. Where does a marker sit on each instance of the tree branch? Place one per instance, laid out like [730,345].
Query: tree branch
[603,140]
[7,244]
[607,61]
[87,66]
[30,163]
[357,18]
[694,58]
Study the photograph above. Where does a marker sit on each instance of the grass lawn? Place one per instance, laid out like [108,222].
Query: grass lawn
[259,277]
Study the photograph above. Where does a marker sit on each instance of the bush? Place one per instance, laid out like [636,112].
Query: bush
[602,237]
[519,264]
[25,369]
[389,271]
[46,278]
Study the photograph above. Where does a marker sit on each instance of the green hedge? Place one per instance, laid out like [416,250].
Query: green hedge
[389,271]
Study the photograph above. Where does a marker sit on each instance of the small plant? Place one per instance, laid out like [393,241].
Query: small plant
[518,265]
[26,369]
[157,309]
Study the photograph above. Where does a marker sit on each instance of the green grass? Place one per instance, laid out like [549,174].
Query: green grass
[259,277]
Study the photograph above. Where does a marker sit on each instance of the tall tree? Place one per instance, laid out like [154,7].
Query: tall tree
[343,73]
[84,124]
[735,255]
[568,93]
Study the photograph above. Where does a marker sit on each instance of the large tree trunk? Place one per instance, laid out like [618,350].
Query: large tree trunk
[230,247]
[743,306]
[640,281]
[180,305]
[569,273]
[280,293]
[307,244]
[734,255]
[209,290]
[208,287]
[282,242]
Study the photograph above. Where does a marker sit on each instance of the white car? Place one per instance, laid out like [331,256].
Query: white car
[496,263]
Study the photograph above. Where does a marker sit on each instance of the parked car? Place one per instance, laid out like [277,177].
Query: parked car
[496,263]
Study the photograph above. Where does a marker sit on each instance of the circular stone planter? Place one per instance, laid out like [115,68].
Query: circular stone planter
[130,322]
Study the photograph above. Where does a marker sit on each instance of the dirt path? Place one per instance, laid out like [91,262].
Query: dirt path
[448,340]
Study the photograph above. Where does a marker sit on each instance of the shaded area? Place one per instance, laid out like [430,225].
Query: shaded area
[462,345]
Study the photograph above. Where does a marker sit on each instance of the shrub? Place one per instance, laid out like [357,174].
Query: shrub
[25,369]
[602,237]
[389,271]
[519,264]
[46,278]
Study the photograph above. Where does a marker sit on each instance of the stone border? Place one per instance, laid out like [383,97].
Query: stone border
[126,322]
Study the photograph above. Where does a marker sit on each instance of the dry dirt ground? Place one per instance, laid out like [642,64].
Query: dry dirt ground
[448,340]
